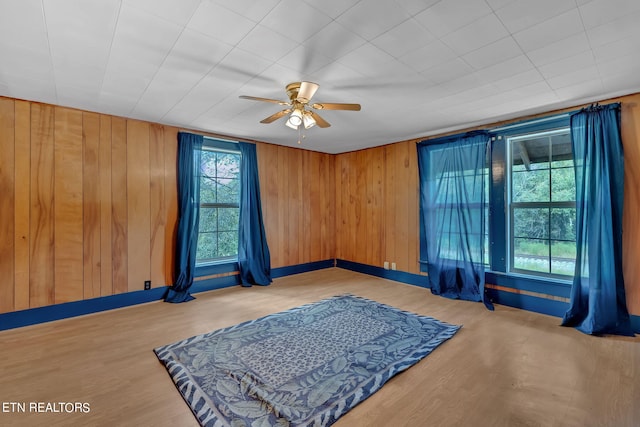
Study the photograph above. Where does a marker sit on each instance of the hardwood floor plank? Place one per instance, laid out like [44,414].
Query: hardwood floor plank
[504,368]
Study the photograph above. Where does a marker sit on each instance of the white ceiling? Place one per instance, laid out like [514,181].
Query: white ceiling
[417,67]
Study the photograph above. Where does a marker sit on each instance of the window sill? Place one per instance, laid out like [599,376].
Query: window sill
[216,267]
[544,285]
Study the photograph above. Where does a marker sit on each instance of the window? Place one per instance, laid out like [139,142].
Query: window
[219,202]
[529,203]
[532,200]
[541,203]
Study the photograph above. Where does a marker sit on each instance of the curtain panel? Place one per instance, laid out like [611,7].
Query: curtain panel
[598,301]
[189,155]
[453,177]
[254,259]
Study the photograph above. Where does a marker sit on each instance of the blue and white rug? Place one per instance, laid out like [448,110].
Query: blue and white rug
[306,366]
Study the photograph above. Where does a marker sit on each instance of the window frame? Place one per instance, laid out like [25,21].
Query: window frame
[229,263]
[500,207]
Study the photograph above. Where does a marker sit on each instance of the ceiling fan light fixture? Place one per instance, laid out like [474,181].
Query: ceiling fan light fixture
[296,118]
[308,121]
[290,124]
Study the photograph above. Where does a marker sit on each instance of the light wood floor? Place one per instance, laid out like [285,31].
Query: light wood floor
[504,368]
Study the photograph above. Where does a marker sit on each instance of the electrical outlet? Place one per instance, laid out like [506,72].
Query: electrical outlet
[393,265]
[147,285]
[386,265]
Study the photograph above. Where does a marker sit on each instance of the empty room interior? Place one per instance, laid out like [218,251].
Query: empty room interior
[177,175]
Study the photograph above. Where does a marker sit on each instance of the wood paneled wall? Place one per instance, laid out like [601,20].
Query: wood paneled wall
[89,204]
[297,189]
[377,206]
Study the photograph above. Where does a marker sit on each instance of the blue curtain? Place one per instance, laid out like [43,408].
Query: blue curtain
[598,302]
[189,154]
[254,259]
[452,205]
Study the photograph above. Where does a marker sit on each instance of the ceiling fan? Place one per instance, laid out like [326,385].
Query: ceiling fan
[299,109]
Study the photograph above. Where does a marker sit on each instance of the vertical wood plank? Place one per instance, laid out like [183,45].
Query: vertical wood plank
[171,199]
[7,206]
[138,204]
[374,162]
[267,163]
[329,231]
[402,207]
[283,208]
[313,220]
[340,214]
[389,205]
[158,209]
[68,216]
[22,202]
[41,269]
[353,208]
[413,210]
[91,204]
[630,129]
[309,195]
[106,267]
[119,209]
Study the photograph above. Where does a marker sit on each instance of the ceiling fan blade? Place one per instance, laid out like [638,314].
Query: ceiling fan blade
[319,120]
[336,106]
[256,98]
[276,116]
[306,91]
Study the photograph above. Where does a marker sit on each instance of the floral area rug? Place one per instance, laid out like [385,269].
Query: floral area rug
[306,366]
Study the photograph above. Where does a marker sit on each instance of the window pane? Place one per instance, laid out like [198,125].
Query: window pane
[219,188]
[531,254]
[227,243]
[228,219]
[207,246]
[208,220]
[228,190]
[530,186]
[563,258]
[542,187]
[563,184]
[531,222]
[563,224]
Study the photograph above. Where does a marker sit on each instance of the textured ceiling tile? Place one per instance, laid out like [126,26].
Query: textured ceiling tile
[560,49]
[178,12]
[403,38]
[333,41]
[266,43]
[501,50]
[302,20]
[521,14]
[480,33]
[370,19]
[550,31]
[221,23]
[600,12]
[428,56]
[447,16]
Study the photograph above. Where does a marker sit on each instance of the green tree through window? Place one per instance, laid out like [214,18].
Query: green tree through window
[219,205]
[542,203]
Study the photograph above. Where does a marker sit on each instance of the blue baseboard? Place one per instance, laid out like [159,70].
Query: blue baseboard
[396,275]
[50,313]
[301,268]
[528,302]
[635,323]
